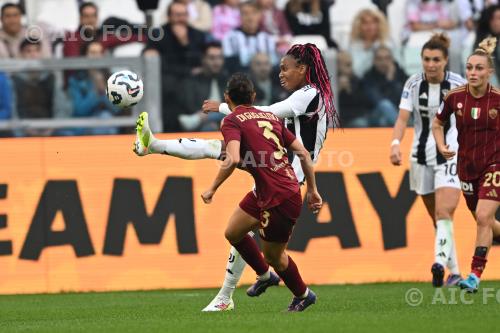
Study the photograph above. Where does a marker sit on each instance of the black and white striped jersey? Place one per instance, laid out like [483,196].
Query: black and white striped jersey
[423,99]
[304,115]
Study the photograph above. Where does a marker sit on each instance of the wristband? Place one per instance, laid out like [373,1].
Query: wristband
[395,142]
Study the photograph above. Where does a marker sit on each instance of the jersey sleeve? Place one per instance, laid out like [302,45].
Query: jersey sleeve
[445,110]
[406,102]
[230,130]
[295,105]
[288,137]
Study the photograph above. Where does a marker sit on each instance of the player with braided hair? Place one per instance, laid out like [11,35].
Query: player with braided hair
[308,112]
[476,106]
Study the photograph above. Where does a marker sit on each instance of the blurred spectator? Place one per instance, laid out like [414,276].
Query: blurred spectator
[310,17]
[181,47]
[181,50]
[242,44]
[209,84]
[34,91]
[427,15]
[275,23]
[200,14]
[489,24]
[369,31]
[383,85]
[5,102]
[87,90]
[13,33]
[226,18]
[382,5]
[470,10]
[267,86]
[354,104]
[88,30]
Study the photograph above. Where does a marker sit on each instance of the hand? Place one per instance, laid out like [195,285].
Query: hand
[314,201]
[395,155]
[446,152]
[210,106]
[181,32]
[391,71]
[207,196]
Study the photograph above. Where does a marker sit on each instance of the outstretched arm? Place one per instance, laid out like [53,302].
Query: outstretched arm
[228,165]
[281,109]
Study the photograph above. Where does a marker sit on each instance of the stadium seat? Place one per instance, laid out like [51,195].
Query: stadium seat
[318,40]
[396,19]
[411,51]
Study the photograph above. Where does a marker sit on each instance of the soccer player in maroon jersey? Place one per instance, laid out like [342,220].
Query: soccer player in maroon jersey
[257,142]
[476,107]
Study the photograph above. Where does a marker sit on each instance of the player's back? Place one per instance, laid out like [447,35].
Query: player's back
[263,142]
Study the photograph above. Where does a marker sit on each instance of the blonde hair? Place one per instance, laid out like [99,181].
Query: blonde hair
[383,27]
[486,49]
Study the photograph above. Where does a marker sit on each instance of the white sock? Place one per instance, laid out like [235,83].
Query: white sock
[189,149]
[234,270]
[443,241]
[304,295]
[453,259]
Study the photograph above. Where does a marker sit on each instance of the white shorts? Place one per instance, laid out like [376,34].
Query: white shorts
[425,179]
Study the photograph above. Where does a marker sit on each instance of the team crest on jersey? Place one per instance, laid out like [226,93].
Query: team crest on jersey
[475,112]
[493,113]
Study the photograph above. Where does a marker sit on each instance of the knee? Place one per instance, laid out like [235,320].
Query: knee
[231,236]
[444,213]
[275,262]
[484,218]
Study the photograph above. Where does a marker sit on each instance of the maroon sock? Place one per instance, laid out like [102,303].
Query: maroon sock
[249,251]
[479,260]
[292,279]
[478,265]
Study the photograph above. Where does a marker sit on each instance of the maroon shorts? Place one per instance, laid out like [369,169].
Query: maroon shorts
[486,187]
[276,223]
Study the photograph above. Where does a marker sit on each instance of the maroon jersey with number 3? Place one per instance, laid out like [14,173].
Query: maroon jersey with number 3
[263,140]
[478,129]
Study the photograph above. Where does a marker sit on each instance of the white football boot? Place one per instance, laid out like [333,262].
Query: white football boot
[220,303]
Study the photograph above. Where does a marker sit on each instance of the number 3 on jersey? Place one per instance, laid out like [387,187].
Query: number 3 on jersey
[270,135]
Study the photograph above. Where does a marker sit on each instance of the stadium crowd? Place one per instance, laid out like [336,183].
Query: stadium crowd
[203,42]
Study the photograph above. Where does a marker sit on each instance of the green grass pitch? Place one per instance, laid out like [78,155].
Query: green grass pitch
[340,308]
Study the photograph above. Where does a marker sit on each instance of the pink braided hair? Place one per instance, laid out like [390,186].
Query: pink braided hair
[317,76]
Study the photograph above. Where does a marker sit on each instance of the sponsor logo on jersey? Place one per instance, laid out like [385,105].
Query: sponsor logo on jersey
[467,187]
[475,112]
[493,113]
[459,105]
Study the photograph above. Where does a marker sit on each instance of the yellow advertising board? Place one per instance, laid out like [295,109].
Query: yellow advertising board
[86,214]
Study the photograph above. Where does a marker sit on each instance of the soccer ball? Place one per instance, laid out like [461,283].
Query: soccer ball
[124,89]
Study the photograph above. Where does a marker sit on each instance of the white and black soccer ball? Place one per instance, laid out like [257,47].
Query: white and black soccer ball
[124,89]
